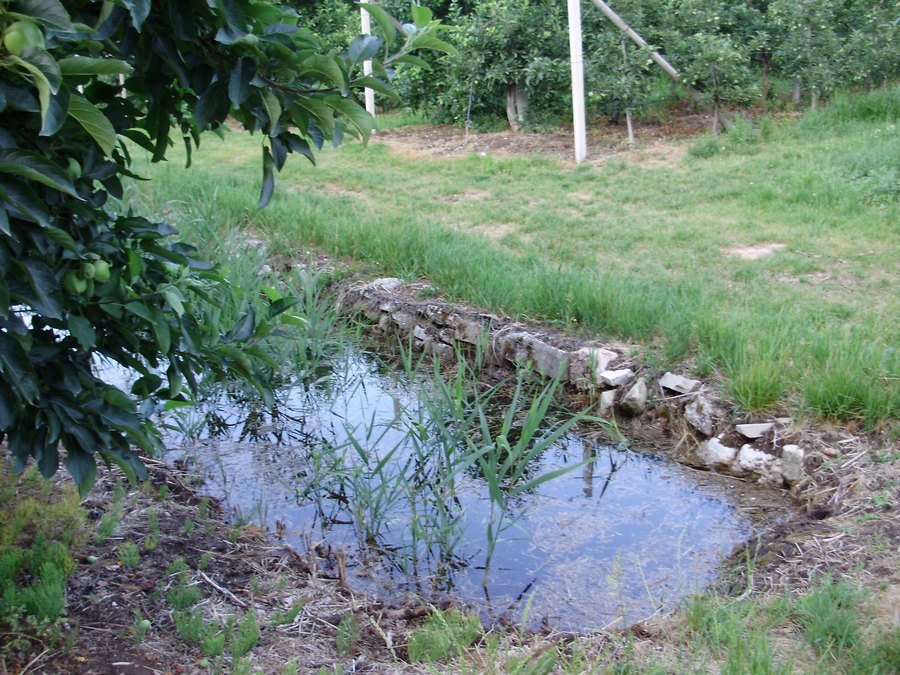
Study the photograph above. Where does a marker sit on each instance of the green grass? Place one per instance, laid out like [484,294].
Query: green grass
[628,249]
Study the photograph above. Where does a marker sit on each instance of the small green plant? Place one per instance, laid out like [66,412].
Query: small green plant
[205,560]
[290,668]
[140,626]
[245,635]
[177,566]
[241,667]
[347,634]
[212,639]
[183,596]
[189,625]
[163,492]
[129,554]
[830,617]
[187,527]
[282,617]
[442,635]
[151,541]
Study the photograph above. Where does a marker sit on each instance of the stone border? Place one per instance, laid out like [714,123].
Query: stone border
[709,438]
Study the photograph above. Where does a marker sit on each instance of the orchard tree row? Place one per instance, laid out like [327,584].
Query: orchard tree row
[513,54]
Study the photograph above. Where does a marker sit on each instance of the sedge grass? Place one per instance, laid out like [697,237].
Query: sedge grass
[643,250]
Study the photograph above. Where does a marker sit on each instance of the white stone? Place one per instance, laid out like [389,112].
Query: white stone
[616,378]
[386,284]
[701,414]
[767,467]
[752,431]
[714,455]
[678,383]
[420,333]
[607,402]
[586,365]
[792,463]
[635,401]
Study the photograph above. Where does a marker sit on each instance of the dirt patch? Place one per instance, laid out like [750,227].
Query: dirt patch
[754,252]
[656,147]
[467,196]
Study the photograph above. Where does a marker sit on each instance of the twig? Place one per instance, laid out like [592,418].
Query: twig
[33,662]
[224,591]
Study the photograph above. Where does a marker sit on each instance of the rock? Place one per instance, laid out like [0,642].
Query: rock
[404,321]
[678,383]
[792,463]
[420,333]
[714,455]
[701,415]
[587,365]
[635,401]
[753,431]
[469,331]
[386,284]
[751,460]
[607,402]
[522,348]
[616,378]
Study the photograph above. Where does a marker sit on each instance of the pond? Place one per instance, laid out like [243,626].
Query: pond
[390,470]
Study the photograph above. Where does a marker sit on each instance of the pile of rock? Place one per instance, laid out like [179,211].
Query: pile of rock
[441,328]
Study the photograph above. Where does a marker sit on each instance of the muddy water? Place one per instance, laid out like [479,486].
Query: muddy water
[350,464]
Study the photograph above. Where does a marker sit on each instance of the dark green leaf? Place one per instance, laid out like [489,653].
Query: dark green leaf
[243,328]
[49,12]
[327,69]
[56,112]
[234,16]
[83,469]
[140,10]
[383,19]
[364,47]
[356,114]
[46,298]
[17,367]
[94,122]
[268,186]
[34,167]
[239,82]
[79,66]
[83,331]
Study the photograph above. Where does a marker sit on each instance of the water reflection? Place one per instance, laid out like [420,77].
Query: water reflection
[358,462]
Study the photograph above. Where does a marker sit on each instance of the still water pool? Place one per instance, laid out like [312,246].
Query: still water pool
[358,463]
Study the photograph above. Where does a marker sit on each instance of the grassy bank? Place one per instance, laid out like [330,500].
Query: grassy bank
[646,246]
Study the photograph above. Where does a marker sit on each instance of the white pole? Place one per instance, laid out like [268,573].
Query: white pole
[367,64]
[577,60]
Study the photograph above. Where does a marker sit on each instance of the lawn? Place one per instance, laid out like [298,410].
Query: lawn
[634,248]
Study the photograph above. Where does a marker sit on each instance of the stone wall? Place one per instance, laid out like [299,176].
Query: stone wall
[708,436]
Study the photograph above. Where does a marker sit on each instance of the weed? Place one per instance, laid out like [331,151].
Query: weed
[129,554]
[188,526]
[151,541]
[283,617]
[177,566]
[830,617]
[347,634]
[205,560]
[212,639]
[189,625]
[443,634]
[183,596]
[245,635]
[290,668]
[140,626]
[241,667]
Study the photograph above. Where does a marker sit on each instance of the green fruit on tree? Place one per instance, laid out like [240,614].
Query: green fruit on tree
[101,271]
[74,284]
[20,35]
[87,270]
[74,168]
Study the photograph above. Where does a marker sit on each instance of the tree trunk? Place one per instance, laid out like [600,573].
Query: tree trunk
[765,78]
[630,127]
[795,92]
[516,105]
[814,99]
[715,124]
[511,107]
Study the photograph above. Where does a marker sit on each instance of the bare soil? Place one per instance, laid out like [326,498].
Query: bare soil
[656,144]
